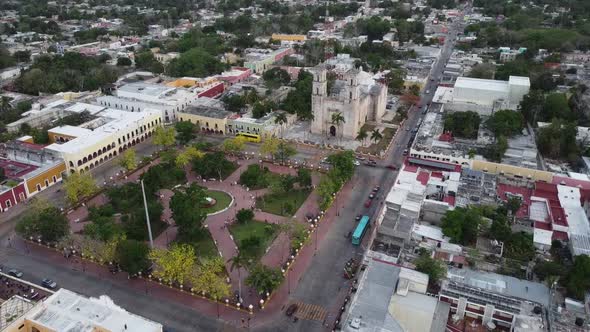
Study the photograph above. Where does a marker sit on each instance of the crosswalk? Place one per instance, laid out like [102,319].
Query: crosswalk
[309,311]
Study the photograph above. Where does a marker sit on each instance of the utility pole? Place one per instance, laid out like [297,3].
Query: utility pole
[147,216]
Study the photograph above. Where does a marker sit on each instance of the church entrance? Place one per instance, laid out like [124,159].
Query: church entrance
[332,131]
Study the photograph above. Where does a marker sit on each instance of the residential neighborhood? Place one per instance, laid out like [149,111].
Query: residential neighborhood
[301,165]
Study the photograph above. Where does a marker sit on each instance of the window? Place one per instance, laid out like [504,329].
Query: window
[54,179]
[8,204]
[46,183]
[38,187]
[21,196]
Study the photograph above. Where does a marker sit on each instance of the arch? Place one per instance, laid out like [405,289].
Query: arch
[86,168]
[94,155]
[91,166]
[104,149]
[96,163]
[332,131]
[85,160]
[73,171]
[79,162]
[100,160]
[114,153]
[120,149]
[71,164]
[111,155]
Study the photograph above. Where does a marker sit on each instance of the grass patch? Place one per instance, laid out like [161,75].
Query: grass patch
[222,200]
[204,245]
[253,237]
[377,148]
[283,204]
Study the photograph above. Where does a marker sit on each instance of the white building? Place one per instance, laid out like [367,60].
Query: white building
[68,311]
[136,97]
[354,94]
[94,142]
[486,96]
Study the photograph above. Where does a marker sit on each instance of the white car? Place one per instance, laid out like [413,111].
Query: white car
[357,163]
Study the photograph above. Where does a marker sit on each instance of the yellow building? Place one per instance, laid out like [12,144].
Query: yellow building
[288,38]
[511,171]
[207,114]
[67,311]
[189,82]
[97,141]
[44,177]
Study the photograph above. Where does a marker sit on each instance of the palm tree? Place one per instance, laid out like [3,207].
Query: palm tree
[362,136]
[337,120]
[281,119]
[376,135]
[238,262]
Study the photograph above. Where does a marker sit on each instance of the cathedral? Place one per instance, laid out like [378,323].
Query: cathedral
[353,93]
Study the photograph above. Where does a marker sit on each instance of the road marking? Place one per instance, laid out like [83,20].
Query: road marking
[310,311]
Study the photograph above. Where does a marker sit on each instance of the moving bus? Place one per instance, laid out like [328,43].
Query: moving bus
[250,137]
[360,230]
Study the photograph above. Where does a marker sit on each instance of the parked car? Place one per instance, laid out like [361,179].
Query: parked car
[405,152]
[48,283]
[368,203]
[392,167]
[291,310]
[357,163]
[371,196]
[371,163]
[15,273]
[358,217]
[376,189]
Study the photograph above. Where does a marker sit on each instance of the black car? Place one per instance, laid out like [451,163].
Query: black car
[358,218]
[48,283]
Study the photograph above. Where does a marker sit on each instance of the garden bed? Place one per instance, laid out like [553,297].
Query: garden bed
[253,238]
[222,201]
[283,204]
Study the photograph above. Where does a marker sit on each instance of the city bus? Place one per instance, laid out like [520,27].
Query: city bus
[250,137]
[360,230]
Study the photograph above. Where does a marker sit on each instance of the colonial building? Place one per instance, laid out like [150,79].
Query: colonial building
[354,94]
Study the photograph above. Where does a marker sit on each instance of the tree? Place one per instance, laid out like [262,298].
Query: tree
[513,205]
[276,77]
[269,146]
[262,108]
[505,123]
[185,130]
[342,167]
[147,61]
[164,136]
[415,90]
[500,229]
[189,214]
[547,269]
[78,186]
[123,62]
[483,70]
[338,120]
[189,154]
[175,263]
[234,103]
[284,151]
[128,160]
[43,221]
[298,101]
[362,135]
[209,277]
[376,136]
[132,256]
[531,105]
[461,225]
[196,62]
[213,164]
[238,262]
[234,145]
[558,141]
[556,106]
[264,279]
[462,124]
[304,177]
[244,215]
[432,267]
[326,189]
[577,282]
[281,120]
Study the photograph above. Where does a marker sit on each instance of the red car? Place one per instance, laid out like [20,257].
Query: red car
[392,167]
[368,203]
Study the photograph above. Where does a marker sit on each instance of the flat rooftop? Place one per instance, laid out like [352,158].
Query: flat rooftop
[149,89]
[14,169]
[481,84]
[67,311]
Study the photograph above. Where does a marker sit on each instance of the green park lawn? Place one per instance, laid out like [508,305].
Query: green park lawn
[222,200]
[204,245]
[253,237]
[283,204]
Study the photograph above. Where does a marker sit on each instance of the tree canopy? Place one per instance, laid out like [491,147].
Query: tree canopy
[505,123]
[462,124]
[462,225]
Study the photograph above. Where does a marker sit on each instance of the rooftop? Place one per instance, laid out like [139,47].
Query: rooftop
[67,311]
[481,84]
[152,90]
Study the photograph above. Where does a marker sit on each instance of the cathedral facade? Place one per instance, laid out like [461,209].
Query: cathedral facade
[353,93]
